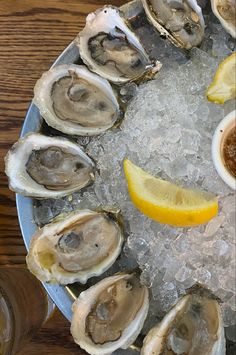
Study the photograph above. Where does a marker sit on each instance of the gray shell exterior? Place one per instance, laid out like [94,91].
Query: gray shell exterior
[81,309]
[106,20]
[42,99]
[50,232]
[18,155]
[229,25]
[166,33]
[157,335]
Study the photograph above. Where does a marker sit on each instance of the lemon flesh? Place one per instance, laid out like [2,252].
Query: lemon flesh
[166,202]
[223,86]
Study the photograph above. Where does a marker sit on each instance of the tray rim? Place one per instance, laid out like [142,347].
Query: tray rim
[60,295]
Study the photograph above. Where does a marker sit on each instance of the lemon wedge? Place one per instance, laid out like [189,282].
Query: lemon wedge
[223,86]
[166,202]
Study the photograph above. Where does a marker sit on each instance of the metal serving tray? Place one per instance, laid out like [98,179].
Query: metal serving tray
[61,296]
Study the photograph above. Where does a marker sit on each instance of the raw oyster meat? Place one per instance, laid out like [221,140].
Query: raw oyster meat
[111,49]
[75,247]
[194,326]
[181,21]
[47,167]
[75,101]
[110,314]
[225,10]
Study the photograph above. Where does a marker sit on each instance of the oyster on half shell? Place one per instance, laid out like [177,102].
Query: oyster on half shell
[75,101]
[225,10]
[47,167]
[181,21]
[110,314]
[111,49]
[75,247]
[193,326]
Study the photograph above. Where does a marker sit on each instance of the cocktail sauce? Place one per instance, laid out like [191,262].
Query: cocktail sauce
[229,151]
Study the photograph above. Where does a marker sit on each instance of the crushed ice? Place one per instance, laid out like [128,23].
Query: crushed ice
[167,130]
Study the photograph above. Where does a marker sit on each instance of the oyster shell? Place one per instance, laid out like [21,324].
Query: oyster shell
[194,326]
[225,11]
[75,247]
[111,49]
[181,21]
[110,314]
[75,101]
[47,167]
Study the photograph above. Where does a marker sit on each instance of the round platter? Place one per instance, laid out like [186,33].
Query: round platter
[61,296]
[206,119]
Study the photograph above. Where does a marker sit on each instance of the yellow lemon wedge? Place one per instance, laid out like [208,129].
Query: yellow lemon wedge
[166,202]
[223,86]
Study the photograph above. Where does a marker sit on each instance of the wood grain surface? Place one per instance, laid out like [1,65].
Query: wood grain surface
[32,35]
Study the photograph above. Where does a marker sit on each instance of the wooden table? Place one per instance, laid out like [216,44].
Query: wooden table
[32,34]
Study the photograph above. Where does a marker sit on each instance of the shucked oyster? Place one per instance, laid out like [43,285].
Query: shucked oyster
[75,247]
[111,49]
[181,21]
[47,167]
[225,10]
[194,326]
[110,314]
[75,101]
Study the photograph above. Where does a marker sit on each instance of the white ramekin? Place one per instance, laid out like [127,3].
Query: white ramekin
[220,134]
